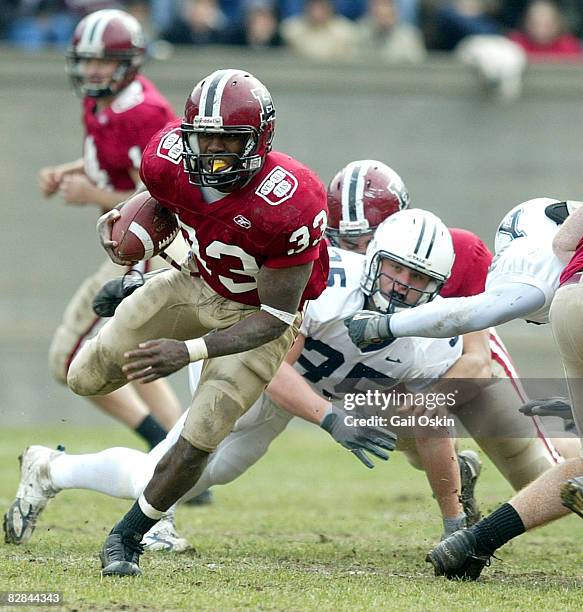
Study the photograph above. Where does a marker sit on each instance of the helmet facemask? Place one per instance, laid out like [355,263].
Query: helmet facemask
[350,239]
[400,295]
[222,169]
[124,74]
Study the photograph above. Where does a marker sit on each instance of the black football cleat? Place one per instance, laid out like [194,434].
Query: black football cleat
[457,558]
[120,555]
[572,495]
[470,468]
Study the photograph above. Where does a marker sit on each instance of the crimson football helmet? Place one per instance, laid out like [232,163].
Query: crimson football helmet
[361,196]
[107,34]
[230,103]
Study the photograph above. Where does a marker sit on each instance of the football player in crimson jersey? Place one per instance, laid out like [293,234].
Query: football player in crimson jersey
[121,112]
[254,219]
[324,363]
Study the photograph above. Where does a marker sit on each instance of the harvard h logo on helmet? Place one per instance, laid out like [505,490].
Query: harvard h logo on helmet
[361,196]
[110,35]
[228,102]
[415,239]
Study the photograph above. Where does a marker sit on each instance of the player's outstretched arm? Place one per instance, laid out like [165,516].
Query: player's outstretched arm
[471,372]
[448,317]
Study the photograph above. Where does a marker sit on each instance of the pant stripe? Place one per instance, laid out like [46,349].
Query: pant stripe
[501,356]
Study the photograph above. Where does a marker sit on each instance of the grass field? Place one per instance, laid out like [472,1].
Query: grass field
[308,528]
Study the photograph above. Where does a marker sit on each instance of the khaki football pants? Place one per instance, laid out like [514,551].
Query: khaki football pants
[517,445]
[80,322]
[566,318]
[176,305]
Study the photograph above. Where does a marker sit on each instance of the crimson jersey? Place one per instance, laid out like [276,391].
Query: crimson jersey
[116,136]
[575,264]
[276,220]
[470,267]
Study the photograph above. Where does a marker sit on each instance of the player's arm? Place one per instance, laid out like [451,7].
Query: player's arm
[568,237]
[289,390]
[280,291]
[448,317]
[79,189]
[49,178]
[471,372]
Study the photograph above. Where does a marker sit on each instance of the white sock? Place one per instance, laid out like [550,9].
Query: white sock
[119,472]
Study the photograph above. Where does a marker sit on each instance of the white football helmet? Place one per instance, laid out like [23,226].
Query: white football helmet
[416,239]
[532,218]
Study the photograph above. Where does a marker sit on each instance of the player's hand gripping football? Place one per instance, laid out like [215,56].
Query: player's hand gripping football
[155,359]
[358,438]
[104,228]
[367,327]
[550,406]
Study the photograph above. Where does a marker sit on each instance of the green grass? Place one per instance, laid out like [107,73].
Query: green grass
[308,528]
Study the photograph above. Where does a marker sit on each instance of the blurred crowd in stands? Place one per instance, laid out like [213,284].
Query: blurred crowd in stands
[323,30]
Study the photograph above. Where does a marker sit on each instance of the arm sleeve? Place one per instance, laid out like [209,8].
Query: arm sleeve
[456,316]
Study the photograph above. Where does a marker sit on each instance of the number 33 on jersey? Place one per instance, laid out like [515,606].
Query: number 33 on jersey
[277,220]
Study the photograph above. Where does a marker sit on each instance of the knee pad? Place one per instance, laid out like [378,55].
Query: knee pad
[90,374]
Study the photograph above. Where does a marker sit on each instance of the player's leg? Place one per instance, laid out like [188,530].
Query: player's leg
[464,556]
[166,306]
[452,477]
[159,396]
[119,472]
[160,400]
[78,325]
[244,446]
[503,365]
[229,386]
[516,445]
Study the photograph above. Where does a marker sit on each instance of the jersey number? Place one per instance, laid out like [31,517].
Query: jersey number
[333,360]
[218,249]
[300,239]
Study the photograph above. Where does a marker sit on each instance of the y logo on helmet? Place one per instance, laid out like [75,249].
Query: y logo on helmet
[170,147]
[267,108]
[278,186]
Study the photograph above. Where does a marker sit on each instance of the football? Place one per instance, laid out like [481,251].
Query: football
[144,229]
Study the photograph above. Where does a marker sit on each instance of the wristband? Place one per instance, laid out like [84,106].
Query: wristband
[197,349]
[287,317]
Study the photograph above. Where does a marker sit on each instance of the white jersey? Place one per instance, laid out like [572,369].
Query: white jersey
[524,253]
[333,365]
